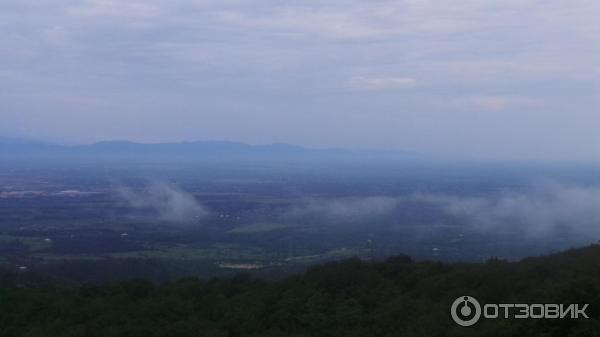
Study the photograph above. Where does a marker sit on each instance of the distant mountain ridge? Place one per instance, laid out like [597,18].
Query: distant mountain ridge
[204,146]
[23,148]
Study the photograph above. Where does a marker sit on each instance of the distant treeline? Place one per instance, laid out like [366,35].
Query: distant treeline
[396,297]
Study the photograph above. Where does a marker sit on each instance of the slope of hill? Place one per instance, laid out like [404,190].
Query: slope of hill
[396,297]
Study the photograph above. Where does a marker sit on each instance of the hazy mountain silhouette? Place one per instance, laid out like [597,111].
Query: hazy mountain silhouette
[14,148]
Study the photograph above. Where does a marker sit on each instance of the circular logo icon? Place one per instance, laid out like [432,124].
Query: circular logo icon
[465,311]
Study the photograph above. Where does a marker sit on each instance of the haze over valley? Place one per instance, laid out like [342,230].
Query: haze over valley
[212,208]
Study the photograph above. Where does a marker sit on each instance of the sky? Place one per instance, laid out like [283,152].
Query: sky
[494,79]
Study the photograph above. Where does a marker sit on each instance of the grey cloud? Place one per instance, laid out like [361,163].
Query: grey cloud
[163,202]
[543,209]
[343,210]
[293,70]
[382,83]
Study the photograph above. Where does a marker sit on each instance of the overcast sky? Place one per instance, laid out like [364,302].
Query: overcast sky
[489,78]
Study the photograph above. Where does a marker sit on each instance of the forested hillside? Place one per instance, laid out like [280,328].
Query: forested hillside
[396,297]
